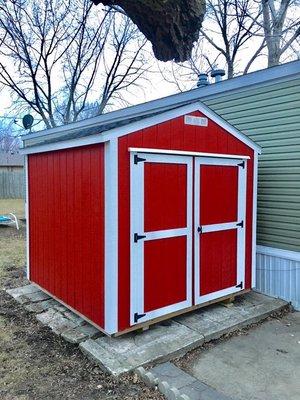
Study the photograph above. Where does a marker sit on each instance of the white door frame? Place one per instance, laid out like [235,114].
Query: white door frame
[242,173]
[137,162]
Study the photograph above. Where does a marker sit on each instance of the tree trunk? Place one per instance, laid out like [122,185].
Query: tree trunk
[172,26]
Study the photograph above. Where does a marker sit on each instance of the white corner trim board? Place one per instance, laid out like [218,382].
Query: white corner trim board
[254,219]
[27,217]
[111,237]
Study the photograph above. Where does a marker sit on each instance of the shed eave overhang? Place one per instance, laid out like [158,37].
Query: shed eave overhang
[142,124]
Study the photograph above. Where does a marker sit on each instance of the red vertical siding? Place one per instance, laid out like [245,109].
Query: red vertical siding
[173,135]
[66,211]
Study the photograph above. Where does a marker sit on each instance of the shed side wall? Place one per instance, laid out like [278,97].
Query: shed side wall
[172,135]
[66,211]
[270,115]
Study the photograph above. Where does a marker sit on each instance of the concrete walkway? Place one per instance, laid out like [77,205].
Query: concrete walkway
[262,365]
[162,342]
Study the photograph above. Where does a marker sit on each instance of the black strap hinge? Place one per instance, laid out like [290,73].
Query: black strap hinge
[241,224]
[242,164]
[138,237]
[199,229]
[137,316]
[240,285]
[138,159]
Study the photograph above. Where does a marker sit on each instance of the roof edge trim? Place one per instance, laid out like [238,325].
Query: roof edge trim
[142,124]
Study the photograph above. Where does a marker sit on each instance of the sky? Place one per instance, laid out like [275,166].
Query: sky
[157,86]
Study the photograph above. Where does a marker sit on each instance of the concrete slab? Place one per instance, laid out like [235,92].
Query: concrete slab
[160,343]
[262,365]
[216,320]
[168,372]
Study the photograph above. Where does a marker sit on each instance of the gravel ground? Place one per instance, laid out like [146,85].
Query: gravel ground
[37,364]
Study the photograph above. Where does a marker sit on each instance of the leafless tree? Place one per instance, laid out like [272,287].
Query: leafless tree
[232,28]
[9,140]
[238,35]
[59,57]
[281,26]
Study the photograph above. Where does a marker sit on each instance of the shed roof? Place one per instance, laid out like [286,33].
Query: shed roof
[120,118]
[11,160]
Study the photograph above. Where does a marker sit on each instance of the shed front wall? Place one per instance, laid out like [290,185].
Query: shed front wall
[172,135]
[66,229]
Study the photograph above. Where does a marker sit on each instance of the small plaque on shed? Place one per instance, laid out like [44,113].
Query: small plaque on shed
[199,121]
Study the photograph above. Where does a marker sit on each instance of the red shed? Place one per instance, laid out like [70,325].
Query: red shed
[142,213]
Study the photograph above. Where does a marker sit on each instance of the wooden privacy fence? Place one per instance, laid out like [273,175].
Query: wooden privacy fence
[12,185]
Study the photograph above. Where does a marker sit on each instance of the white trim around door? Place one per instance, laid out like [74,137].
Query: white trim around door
[138,236]
[240,225]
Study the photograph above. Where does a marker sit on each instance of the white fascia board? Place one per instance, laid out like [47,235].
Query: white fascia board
[186,153]
[265,77]
[142,124]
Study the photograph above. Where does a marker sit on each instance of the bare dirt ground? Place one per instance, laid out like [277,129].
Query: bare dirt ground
[34,362]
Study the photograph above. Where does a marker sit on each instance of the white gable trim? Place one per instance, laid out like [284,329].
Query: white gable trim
[142,124]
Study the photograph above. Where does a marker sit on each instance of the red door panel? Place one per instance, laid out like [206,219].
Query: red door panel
[218,261]
[165,199]
[164,272]
[218,193]
[217,214]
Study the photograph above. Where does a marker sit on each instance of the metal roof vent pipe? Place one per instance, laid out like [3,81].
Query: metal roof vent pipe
[217,74]
[202,80]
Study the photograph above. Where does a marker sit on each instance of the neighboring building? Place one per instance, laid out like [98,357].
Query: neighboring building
[11,176]
[265,105]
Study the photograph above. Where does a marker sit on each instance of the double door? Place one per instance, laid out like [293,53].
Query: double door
[187,231]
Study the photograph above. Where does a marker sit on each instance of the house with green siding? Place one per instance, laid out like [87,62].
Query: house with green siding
[267,109]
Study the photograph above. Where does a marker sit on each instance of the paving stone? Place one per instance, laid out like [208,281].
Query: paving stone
[194,390]
[40,306]
[74,336]
[74,318]
[56,321]
[81,333]
[59,307]
[37,296]
[16,292]
[159,343]
[89,330]
[173,375]
[106,360]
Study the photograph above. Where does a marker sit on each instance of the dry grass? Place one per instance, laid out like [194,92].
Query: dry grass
[12,241]
[15,206]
